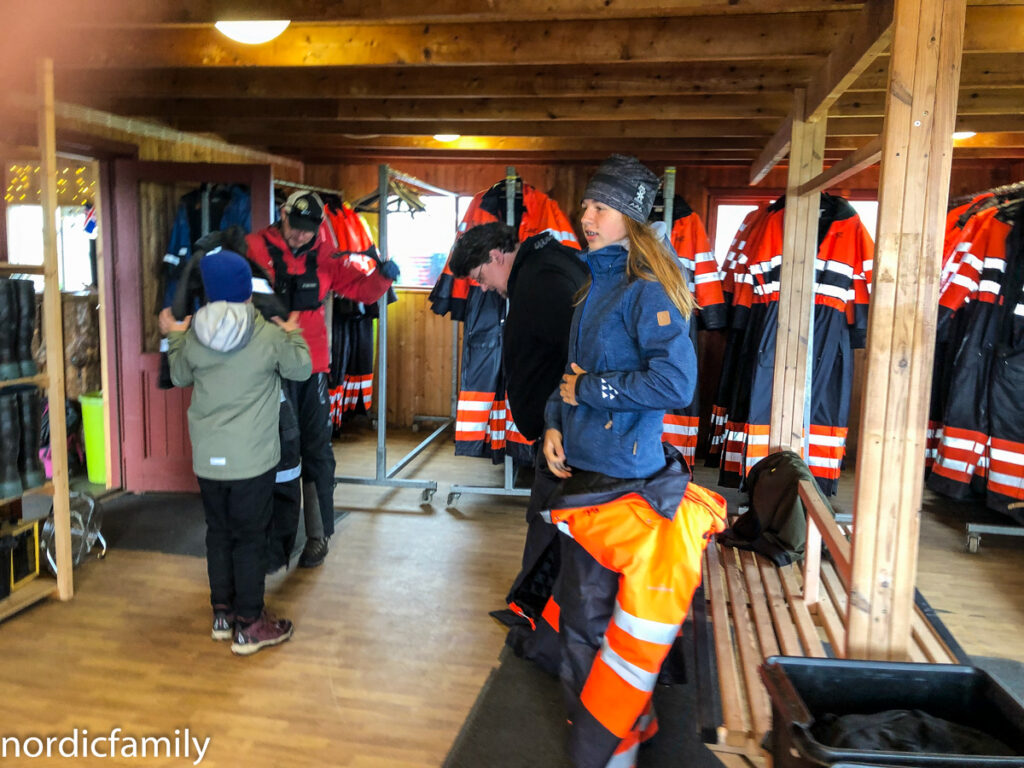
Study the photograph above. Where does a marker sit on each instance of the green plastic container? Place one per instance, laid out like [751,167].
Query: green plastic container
[95,445]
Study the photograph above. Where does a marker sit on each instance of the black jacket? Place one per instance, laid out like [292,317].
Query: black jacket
[544,279]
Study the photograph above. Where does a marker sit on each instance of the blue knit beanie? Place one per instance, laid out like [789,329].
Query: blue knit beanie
[226,276]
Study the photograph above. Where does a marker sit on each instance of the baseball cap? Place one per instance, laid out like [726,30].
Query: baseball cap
[305,210]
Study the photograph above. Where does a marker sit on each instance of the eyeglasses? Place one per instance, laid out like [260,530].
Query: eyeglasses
[476,274]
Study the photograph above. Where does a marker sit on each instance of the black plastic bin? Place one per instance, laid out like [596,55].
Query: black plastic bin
[803,689]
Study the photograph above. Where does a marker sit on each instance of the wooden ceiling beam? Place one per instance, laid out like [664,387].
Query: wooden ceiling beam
[131,13]
[249,131]
[564,81]
[992,29]
[773,152]
[864,39]
[517,158]
[978,71]
[670,41]
[992,101]
[719,107]
[565,144]
[851,165]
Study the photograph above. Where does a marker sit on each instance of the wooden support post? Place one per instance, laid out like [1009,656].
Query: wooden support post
[796,285]
[53,329]
[924,73]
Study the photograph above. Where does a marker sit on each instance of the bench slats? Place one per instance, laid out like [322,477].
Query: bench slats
[801,616]
[735,717]
[789,640]
[747,646]
[759,605]
[758,610]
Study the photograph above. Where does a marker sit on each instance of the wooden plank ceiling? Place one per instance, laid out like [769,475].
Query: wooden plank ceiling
[542,80]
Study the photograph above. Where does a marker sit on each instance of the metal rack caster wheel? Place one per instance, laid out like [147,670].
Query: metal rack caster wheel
[427,495]
[973,542]
[415,427]
[453,497]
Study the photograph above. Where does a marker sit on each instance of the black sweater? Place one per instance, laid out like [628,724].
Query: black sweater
[542,284]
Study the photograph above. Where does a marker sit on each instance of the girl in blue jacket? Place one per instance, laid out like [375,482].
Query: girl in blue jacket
[630,354]
[630,359]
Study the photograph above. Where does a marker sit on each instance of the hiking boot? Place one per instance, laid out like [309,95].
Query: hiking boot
[314,552]
[262,633]
[223,624]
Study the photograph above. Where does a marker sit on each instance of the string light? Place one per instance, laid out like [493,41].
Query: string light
[74,187]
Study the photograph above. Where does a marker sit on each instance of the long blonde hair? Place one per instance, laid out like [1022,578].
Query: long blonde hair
[649,259]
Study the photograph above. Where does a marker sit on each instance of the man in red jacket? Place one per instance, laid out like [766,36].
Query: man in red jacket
[302,260]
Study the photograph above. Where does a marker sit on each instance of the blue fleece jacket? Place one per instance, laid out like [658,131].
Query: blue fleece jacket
[635,346]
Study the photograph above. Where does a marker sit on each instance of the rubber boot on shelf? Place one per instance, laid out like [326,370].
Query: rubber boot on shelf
[10,446]
[29,465]
[25,299]
[9,368]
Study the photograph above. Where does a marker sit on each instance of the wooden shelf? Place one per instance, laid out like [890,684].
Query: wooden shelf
[38,589]
[39,380]
[44,489]
[21,269]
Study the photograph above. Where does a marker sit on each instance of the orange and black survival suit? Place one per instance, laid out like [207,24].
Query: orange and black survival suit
[630,563]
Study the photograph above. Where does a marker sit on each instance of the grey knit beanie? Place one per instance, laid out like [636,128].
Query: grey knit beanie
[626,184]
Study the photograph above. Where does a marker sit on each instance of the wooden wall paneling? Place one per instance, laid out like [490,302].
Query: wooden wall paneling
[419,359]
[917,150]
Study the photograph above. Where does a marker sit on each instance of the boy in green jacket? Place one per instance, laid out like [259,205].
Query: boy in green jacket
[235,360]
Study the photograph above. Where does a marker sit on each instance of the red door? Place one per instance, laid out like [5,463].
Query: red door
[155,453]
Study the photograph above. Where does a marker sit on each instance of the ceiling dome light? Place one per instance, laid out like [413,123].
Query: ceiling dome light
[252,32]
[957,135]
[447,138]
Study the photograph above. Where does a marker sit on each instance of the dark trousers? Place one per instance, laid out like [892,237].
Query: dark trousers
[287,491]
[237,522]
[313,408]
[535,583]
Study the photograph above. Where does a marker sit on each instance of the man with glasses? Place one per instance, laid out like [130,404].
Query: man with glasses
[540,277]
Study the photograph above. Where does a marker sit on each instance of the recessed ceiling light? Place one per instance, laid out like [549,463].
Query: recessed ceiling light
[252,32]
[963,135]
[447,138]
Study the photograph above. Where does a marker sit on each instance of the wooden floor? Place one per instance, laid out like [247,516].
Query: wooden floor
[392,640]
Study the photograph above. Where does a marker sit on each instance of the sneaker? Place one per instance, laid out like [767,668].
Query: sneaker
[314,552]
[262,633]
[223,622]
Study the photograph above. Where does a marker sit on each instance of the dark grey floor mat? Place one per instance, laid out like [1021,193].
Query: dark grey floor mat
[518,721]
[172,523]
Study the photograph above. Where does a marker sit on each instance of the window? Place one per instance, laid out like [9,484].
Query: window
[868,212]
[420,243]
[76,191]
[74,244]
[727,222]
[729,211]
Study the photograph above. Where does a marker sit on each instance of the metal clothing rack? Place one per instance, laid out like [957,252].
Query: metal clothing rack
[975,530]
[308,187]
[508,487]
[384,476]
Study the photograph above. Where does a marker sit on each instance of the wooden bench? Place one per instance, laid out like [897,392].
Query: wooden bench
[749,609]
